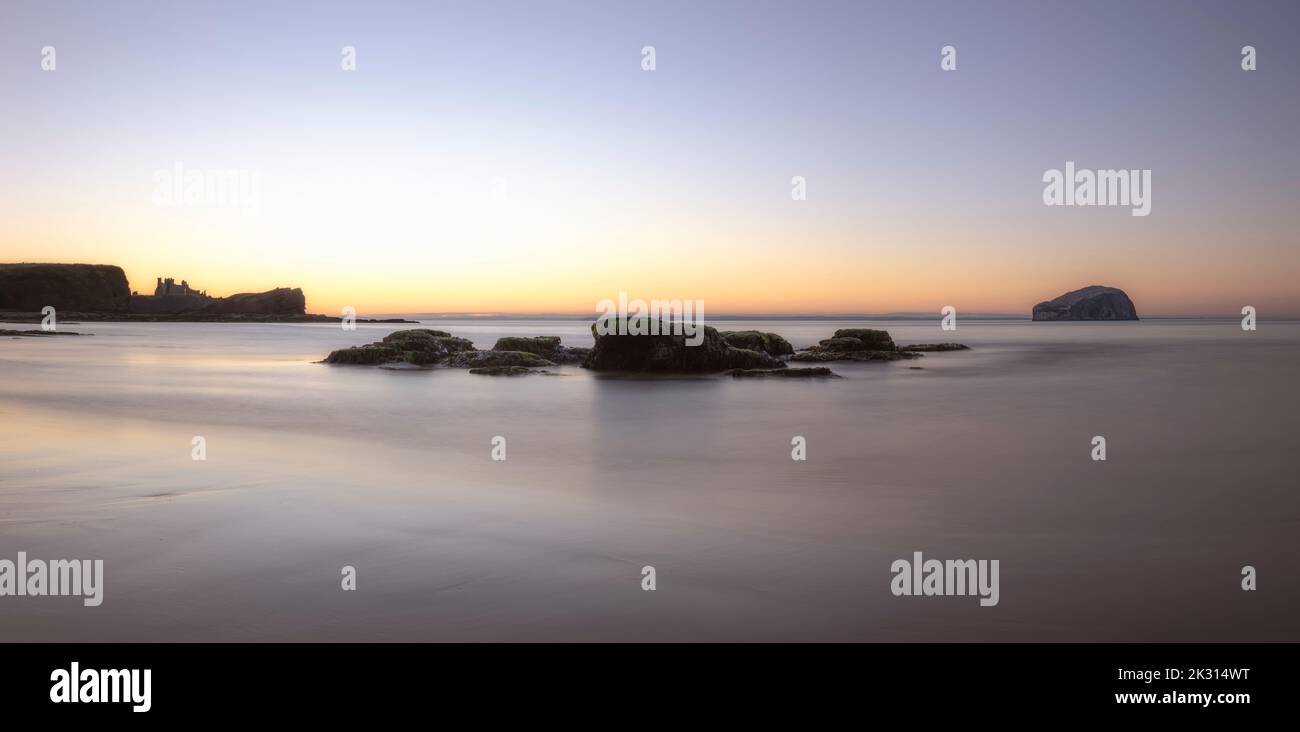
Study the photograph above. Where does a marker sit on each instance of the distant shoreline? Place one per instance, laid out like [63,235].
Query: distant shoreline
[23,317]
[416,318]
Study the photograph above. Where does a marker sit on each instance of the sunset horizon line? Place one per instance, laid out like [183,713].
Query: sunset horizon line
[329,297]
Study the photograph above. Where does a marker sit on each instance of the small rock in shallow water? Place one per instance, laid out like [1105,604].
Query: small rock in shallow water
[402,366]
[36,333]
[754,340]
[854,344]
[484,359]
[818,356]
[809,371]
[875,340]
[505,371]
[419,346]
[548,347]
[841,344]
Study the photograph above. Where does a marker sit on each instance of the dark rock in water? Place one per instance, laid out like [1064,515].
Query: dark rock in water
[482,359]
[933,347]
[784,373]
[543,346]
[504,371]
[670,354]
[753,340]
[548,347]
[1091,303]
[403,366]
[823,355]
[280,301]
[855,344]
[371,355]
[875,340]
[415,334]
[425,347]
[419,346]
[67,287]
[840,345]
[37,333]
[572,354]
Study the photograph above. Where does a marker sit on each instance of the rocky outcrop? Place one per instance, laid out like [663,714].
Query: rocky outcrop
[854,344]
[816,356]
[872,340]
[280,301]
[65,287]
[484,359]
[670,354]
[426,348]
[548,347]
[1095,302]
[754,340]
[806,372]
[505,371]
[842,345]
[417,346]
[866,344]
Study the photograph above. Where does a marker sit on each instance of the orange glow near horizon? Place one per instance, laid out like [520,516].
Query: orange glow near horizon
[828,280]
[546,252]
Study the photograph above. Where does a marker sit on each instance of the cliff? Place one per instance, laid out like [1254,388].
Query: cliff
[69,287]
[1095,302]
[280,301]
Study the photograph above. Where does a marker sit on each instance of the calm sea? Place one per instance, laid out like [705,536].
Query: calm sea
[976,455]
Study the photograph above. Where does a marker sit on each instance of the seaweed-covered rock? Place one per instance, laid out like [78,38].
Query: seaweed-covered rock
[873,340]
[754,340]
[934,347]
[402,366]
[855,344]
[418,346]
[543,346]
[426,347]
[666,353]
[840,345]
[483,359]
[368,355]
[804,372]
[548,347]
[821,356]
[504,371]
[416,333]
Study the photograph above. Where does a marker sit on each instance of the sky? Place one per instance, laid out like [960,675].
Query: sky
[517,157]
